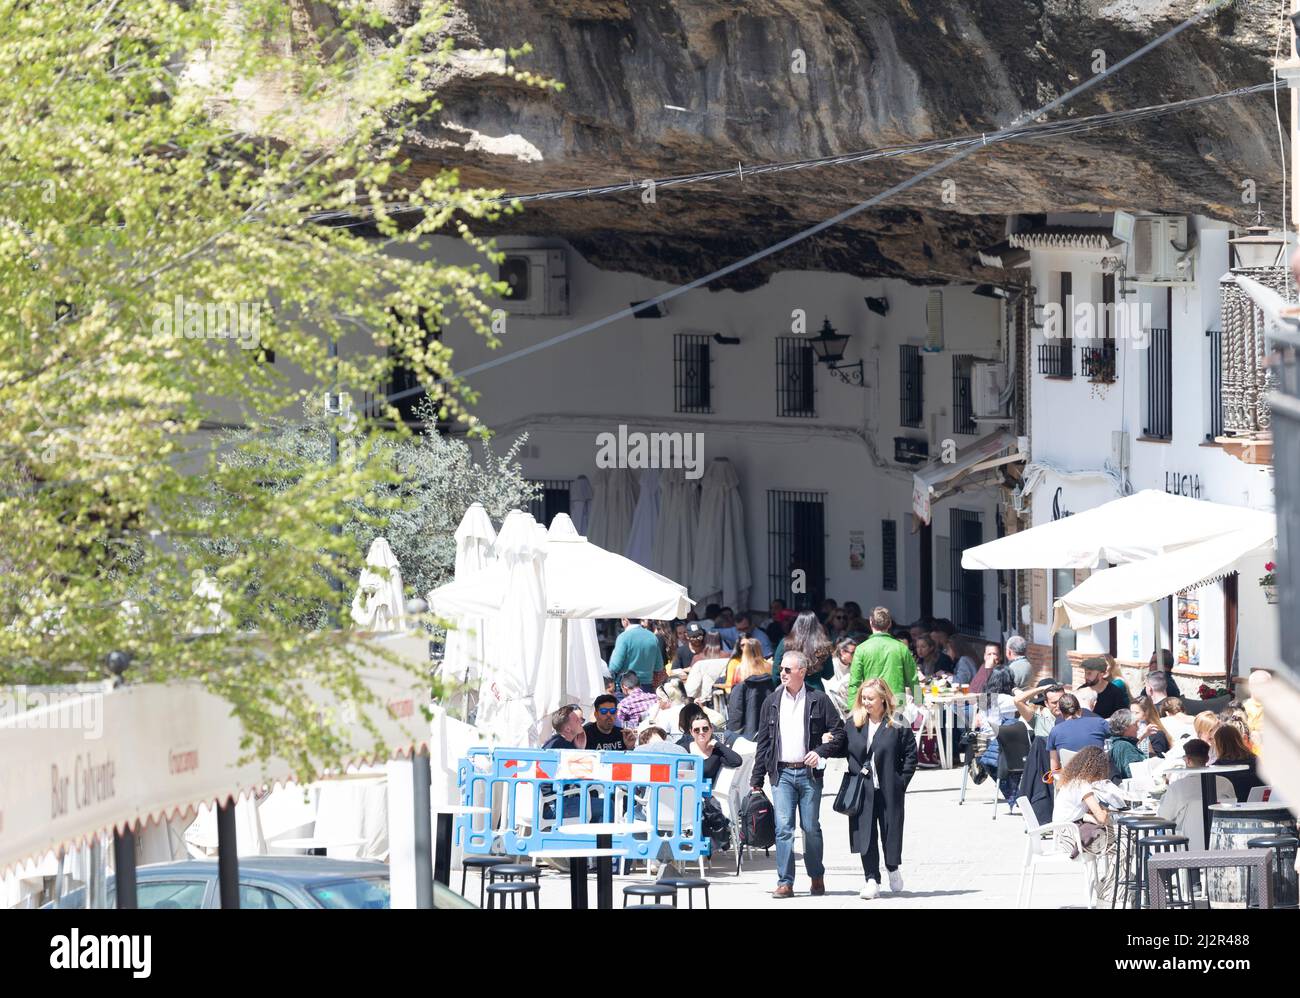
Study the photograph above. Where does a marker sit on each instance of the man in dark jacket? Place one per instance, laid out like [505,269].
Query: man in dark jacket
[791,753]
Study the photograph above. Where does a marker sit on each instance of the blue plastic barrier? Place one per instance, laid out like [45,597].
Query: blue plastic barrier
[628,787]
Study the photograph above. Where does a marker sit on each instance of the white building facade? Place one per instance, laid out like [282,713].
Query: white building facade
[1119,407]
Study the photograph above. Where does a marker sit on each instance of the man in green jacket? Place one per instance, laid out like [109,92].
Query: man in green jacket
[882,656]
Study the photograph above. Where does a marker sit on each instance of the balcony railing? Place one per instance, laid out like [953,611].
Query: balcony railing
[1056,359]
[1098,363]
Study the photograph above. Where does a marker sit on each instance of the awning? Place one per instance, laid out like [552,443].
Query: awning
[939,478]
[94,761]
[1125,587]
[1145,525]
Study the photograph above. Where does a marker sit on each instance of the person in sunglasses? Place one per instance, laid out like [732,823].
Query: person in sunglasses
[602,733]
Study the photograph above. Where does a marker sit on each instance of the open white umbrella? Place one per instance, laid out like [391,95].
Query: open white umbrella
[720,570]
[466,646]
[515,631]
[679,513]
[380,603]
[645,519]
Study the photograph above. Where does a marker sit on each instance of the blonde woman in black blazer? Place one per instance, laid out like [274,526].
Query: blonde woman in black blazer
[873,732]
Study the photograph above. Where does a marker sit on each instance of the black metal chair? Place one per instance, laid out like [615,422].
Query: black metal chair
[1013,750]
[517,891]
[657,890]
[1130,828]
[1285,894]
[482,864]
[1149,845]
[690,885]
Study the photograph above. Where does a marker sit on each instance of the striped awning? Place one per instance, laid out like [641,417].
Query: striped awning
[1062,237]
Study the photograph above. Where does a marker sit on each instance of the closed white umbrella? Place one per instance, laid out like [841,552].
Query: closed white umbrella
[613,504]
[466,646]
[570,667]
[580,494]
[380,602]
[515,632]
[645,519]
[679,513]
[720,571]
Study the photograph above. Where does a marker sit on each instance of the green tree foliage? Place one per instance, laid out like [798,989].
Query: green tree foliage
[164,168]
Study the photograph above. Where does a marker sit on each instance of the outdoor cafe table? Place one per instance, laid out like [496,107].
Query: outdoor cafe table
[947,704]
[603,854]
[442,849]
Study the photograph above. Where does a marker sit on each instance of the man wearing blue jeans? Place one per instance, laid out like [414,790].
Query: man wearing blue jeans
[799,728]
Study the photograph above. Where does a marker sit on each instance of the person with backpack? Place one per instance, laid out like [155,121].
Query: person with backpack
[792,751]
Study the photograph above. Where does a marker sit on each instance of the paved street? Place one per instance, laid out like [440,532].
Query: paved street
[953,857]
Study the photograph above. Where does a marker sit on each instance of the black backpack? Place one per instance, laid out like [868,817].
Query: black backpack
[757,821]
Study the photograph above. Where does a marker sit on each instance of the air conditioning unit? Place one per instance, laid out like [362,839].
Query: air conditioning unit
[1162,252]
[988,380]
[538,280]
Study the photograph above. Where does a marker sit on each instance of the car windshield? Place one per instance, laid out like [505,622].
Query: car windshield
[362,892]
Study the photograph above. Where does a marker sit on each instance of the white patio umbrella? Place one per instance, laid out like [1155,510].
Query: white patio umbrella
[720,570]
[515,631]
[613,504]
[580,494]
[645,519]
[466,646]
[380,602]
[1136,527]
[679,513]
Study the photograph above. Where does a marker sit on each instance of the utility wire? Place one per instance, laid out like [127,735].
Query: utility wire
[1029,133]
[912,181]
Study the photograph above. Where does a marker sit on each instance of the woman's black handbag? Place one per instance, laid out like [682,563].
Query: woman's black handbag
[852,795]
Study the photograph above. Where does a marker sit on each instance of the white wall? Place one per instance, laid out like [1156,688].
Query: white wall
[1072,422]
[566,394]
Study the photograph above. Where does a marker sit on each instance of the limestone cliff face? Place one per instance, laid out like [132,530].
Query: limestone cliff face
[875,72]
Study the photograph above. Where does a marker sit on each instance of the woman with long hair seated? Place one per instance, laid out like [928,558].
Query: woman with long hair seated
[882,755]
[1084,794]
[810,637]
[753,684]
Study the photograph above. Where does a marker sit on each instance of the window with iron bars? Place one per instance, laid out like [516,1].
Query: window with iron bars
[963,414]
[911,397]
[1160,386]
[552,498]
[795,366]
[1056,356]
[692,373]
[889,555]
[796,548]
[1098,363]
[966,531]
[1215,337]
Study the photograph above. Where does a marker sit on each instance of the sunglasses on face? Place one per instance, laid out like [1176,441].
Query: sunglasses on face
[607,710]
[785,669]
[700,731]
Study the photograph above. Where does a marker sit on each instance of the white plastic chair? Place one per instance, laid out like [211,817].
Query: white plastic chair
[1258,795]
[1066,755]
[1049,845]
[731,788]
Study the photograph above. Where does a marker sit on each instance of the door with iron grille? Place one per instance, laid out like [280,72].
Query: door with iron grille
[796,548]
[966,531]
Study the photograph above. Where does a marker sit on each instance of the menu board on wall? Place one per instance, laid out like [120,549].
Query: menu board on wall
[1187,624]
[1038,595]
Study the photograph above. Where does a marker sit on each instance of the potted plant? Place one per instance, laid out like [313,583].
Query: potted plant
[1268,582]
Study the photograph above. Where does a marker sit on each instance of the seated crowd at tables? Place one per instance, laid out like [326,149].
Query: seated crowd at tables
[698,686]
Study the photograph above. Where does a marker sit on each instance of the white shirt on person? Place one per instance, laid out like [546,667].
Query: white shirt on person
[794,738]
[1069,804]
[1181,804]
[872,728]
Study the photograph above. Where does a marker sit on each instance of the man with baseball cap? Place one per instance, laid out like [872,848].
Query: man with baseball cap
[1110,696]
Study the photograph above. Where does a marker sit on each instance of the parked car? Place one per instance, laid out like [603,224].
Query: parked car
[266,882]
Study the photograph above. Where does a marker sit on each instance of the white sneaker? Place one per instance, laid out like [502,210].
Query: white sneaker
[871,891]
[895,881]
